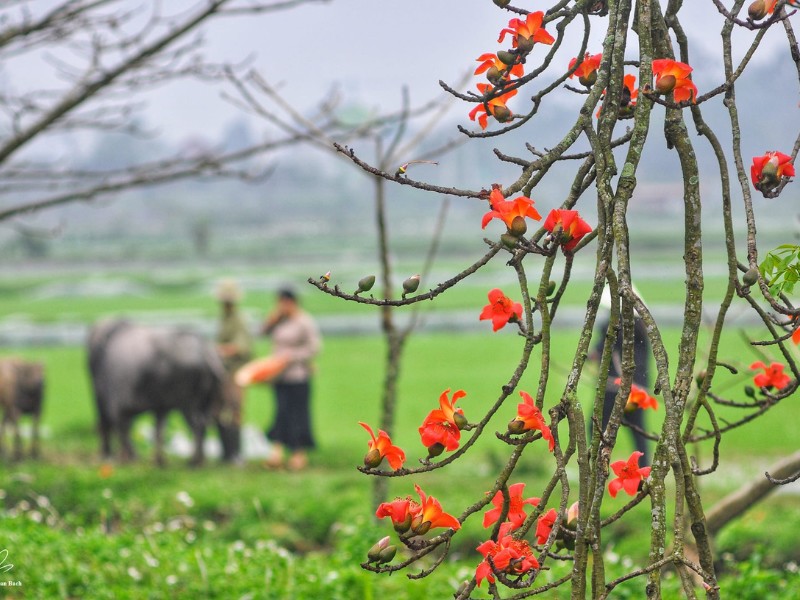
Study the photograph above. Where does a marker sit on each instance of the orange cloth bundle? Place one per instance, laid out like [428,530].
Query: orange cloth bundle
[260,370]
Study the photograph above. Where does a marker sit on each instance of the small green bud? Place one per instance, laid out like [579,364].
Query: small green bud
[750,277]
[411,284]
[404,525]
[749,391]
[700,378]
[551,287]
[588,80]
[524,45]
[374,553]
[435,450]
[460,420]
[419,527]
[494,75]
[373,458]
[516,426]
[501,113]
[387,554]
[505,57]
[365,283]
[518,226]
[509,240]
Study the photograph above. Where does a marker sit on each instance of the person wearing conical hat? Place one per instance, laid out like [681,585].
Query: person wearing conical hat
[235,348]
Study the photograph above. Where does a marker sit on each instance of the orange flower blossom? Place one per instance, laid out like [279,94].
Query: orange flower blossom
[495,106]
[508,210]
[501,310]
[528,418]
[587,70]
[545,525]
[526,33]
[796,336]
[772,377]
[508,555]
[768,170]
[431,515]
[443,425]
[638,398]
[673,76]
[629,474]
[516,506]
[401,510]
[573,228]
[380,448]
[496,68]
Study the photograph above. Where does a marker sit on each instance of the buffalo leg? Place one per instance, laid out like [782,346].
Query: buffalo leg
[160,458]
[35,436]
[17,439]
[198,426]
[128,454]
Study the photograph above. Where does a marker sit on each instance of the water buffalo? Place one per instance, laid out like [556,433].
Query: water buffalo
[138,369]
[21,389]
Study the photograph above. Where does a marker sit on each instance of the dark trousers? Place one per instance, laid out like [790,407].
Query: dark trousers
[292,424]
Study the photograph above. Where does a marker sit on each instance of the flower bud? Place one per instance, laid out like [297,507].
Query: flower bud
[506,57]
[387,554]
[700,378]
[749,391]
[509,240]
[516,426]
[501,113]
[518,226]
[524,45]
[750,277]
[374,553]
[665,84]
[435,450]
[494,75]
[365,283]
[551,287]
[502,3]
[419,527]
[403,525]
[460,420]
[372,459]
[757,10]
[411,284]
[588,80]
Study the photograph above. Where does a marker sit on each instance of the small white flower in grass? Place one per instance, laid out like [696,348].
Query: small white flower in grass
[190,537]
[151,560]
[124,552]
[107,493]
[134,573]
[171,579]
[2,494]
[35,516]
[209,525]
[24,505]
[185,499]
[43,501]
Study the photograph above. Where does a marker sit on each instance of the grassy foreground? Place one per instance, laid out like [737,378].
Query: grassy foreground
[75,529]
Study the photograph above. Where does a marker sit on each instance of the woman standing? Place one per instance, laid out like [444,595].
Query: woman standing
[296,338]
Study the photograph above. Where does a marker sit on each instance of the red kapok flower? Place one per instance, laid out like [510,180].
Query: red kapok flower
[627,101]
[545,525]
[508,210]
[638,398]
[508,555]
[772,377]
[673,76]
[495,68]
[528,418]
[587,70]
[495,106]
[516,506]
[401,510]
[629,474]
[380,448]
[500,309]
[526,33]
[796,336]
[768,170]
[431,515]
[572,227]
[442,425]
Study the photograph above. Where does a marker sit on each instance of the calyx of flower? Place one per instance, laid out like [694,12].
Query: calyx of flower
[757,10]
[373,458]
[666,84]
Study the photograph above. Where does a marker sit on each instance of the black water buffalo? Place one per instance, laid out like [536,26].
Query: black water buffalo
[138,369]
[21,390]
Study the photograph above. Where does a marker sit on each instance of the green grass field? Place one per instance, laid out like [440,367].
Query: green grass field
[75,530]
